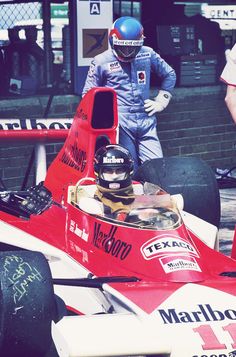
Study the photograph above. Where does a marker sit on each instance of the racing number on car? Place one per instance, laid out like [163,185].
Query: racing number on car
[211,341]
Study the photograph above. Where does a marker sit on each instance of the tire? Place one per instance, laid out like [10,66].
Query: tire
[189,176]
[27,304]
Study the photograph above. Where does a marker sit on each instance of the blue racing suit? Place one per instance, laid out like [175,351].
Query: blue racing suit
[131,81]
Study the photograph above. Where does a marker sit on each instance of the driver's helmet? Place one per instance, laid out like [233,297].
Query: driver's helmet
[113,167]
[126,38]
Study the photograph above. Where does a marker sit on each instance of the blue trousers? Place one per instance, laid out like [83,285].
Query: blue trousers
[139,136]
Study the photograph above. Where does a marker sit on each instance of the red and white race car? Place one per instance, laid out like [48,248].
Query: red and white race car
[154,284]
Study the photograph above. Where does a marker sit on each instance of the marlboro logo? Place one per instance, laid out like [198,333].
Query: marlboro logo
[203,313]
[35,124]
[113,160]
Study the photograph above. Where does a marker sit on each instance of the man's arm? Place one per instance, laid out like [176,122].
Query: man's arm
[228,76]
[93,78]
[168,76]
[230,100]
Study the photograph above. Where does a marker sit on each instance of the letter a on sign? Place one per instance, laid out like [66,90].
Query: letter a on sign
[95,8]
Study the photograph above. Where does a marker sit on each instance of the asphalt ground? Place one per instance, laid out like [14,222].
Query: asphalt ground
[228,219]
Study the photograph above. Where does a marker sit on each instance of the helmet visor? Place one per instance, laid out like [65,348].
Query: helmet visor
[127,52]
[113,174]
[127,49]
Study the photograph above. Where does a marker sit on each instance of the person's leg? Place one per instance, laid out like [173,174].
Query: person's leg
[127,140]
[149,144]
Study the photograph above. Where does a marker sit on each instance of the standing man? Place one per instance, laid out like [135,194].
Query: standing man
[126,67]
[229,77]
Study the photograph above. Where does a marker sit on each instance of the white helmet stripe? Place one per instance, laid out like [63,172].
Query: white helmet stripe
[127,42]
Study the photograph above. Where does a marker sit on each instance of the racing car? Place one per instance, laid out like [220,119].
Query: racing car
[76,282]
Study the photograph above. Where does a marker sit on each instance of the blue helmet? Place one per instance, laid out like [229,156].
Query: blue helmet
[126,38]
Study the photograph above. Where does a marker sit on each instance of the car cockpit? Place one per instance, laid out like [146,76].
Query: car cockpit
[152,208]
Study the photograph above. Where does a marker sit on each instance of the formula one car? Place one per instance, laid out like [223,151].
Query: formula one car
[152,284]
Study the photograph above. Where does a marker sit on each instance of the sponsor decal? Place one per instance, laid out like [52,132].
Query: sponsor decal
[74,157]
[166,245]
[78,231]
[35,124]
[143,55]
[118,42]
[114,185]
[82,115]
[114,66]
[109,243]
[171,264]
[113,160]
[77,249]
[203,313]
[141,77]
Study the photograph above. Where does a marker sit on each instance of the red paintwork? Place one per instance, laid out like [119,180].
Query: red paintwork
[79,147]
[109,248]
[155,286]
[33,135]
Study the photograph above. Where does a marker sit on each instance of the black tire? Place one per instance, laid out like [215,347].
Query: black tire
[190,176]
[27,304]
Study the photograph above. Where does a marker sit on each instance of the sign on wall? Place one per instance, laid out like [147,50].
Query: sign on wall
[225,15]
[94,19]
[59,11]
[220,12]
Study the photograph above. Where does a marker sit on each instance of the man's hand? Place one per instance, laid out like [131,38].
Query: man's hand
[160,103]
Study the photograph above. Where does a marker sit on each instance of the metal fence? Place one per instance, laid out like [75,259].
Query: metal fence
[27,62]
[12,14]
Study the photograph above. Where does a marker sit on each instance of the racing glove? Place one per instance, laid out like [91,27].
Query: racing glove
[158,104]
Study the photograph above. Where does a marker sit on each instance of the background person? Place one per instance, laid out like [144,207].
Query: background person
[13,54]
[24,61]
[34,56]
[229,77]
[126,67]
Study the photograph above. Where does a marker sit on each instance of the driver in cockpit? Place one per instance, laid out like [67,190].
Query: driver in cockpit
[113,168]
[117,197]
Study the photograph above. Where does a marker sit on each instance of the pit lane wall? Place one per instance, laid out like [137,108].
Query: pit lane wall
[196,123]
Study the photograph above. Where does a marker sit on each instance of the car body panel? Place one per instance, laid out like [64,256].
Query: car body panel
[164,287]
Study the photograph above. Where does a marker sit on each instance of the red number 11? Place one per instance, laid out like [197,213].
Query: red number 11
[211,341]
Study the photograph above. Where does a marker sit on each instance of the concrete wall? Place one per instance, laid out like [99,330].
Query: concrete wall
[196,123]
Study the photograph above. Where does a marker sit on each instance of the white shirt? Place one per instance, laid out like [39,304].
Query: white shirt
[229,72]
